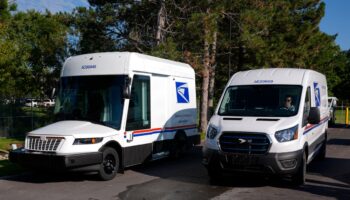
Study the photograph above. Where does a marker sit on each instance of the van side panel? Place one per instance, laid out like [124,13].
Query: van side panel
[183,110]
[314,133]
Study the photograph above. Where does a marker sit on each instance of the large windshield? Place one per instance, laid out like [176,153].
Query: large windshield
[261,100]
[97,99]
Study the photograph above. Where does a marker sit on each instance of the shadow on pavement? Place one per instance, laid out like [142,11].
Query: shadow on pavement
[181,177]
[338,126]
[338,141]
[46,177]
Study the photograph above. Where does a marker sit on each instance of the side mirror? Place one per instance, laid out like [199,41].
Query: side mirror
[126,89]
[53,93]
[314,115]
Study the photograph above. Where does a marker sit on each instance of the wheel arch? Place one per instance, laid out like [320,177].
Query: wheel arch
[115,145]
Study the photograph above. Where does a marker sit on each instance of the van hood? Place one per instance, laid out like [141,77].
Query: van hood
[77,129]
[267,125]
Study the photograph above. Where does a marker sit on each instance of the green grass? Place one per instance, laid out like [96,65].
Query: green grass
[202,135]
[5,143]
[37,111]
[340,116]
[7,168]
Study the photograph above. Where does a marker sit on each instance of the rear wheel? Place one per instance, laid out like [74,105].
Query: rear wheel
[300,176]
[179,146]
[322,153]
[110,164]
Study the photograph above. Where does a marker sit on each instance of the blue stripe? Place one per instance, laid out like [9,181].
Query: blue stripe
[165,131]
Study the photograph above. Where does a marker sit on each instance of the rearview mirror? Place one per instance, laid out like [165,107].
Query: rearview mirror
[314,115]
[126,89]
[53,93]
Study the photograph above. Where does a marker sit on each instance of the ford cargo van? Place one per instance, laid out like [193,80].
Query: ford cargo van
[268,121]
[115,110]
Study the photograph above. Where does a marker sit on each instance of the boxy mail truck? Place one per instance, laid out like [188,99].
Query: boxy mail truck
[268,121]
[115,110]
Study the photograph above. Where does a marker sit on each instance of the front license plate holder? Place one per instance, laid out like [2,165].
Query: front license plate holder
[241,160]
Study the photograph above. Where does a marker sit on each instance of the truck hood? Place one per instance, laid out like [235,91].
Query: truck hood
[267,125]
[77,129]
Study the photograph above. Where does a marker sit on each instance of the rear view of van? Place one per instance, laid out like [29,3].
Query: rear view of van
[269,121]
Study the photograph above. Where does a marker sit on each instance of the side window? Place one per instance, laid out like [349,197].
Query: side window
[139,114]
[307,106]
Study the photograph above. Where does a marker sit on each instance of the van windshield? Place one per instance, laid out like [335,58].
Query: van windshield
[261,100]
[97,99]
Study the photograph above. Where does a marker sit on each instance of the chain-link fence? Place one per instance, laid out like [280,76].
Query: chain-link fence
[17,118]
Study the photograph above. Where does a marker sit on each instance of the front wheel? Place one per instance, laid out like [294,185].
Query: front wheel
[215,174]
[110,164]
[300,176]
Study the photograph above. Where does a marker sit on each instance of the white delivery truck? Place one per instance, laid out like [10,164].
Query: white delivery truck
[115,110]
[332,104]
[268,121]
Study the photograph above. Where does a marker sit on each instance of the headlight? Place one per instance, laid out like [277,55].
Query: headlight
[211,132]
[287,134]
[87,141]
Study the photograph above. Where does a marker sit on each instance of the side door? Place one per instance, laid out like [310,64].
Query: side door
[307,134]
[311,131]
[138,123]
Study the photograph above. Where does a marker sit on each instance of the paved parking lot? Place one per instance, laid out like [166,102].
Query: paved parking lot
[187,179]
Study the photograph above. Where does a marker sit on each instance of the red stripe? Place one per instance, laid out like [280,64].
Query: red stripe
[146,130]
[312,125]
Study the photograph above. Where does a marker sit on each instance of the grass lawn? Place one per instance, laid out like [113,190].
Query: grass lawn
[7,168]
[37,111]
[5,143]
[340,116]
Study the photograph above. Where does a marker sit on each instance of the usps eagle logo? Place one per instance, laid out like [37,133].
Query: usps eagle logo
[317,94]
[182,92]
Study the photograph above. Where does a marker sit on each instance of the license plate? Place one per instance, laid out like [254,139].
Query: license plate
[243,160]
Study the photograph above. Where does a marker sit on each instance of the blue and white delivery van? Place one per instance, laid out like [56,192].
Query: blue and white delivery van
[268,121]
[115,110]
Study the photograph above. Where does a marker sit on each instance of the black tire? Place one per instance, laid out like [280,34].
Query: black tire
[322,153]
[300,176]
[215,171]
[179,146]
[215,174]
[110,164]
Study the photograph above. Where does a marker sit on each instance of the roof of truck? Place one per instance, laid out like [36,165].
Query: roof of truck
[108,63]
[292,76]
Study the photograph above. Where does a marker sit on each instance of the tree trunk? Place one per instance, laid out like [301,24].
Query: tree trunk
[212,76]
[205,83]
[204,103]
[160,23]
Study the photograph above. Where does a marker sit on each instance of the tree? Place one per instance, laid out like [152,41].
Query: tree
[33,48]
[12,73]
[341,89]
[218,38]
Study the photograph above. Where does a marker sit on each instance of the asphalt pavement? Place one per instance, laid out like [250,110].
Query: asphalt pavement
[186,178]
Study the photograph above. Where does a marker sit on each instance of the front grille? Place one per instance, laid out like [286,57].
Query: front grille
[36,143]
[245,143]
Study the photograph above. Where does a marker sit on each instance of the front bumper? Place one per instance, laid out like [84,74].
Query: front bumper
[270,163]
[53,161]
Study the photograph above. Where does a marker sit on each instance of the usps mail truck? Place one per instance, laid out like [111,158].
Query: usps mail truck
[115,110]
[268,121]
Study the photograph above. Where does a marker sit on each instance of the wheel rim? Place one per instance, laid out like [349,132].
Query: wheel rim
[109,164]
